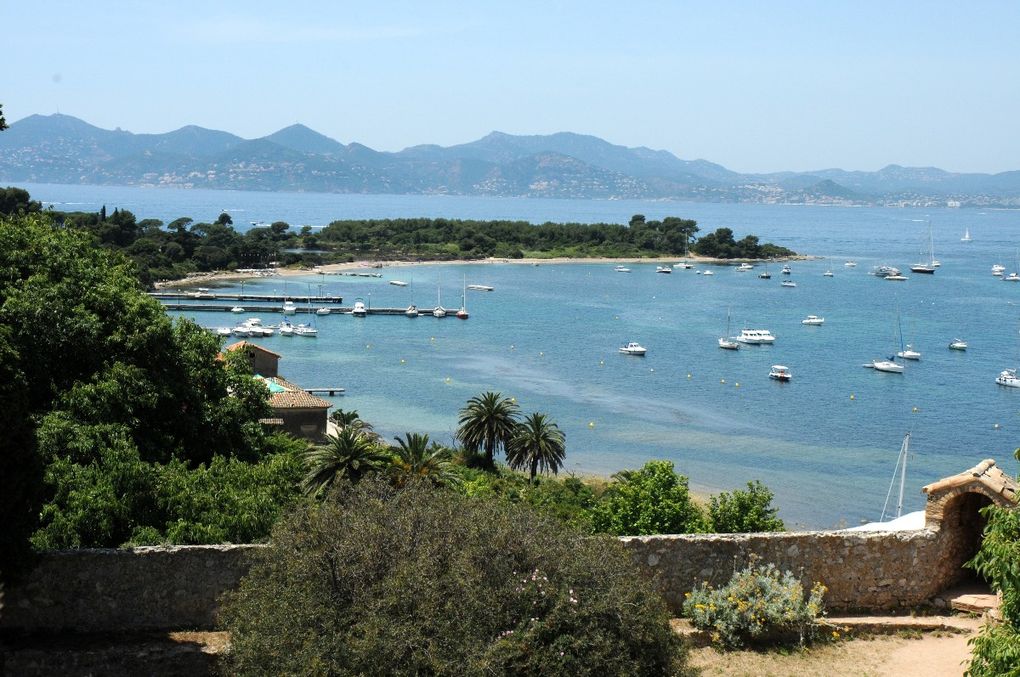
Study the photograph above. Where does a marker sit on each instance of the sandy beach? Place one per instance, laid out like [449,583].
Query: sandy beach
[202,279]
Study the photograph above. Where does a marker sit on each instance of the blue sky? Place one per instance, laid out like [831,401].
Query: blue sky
[755,86]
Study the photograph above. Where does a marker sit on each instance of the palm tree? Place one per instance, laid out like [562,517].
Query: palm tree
[487,422]
[350,455]
[414,457]
[537,444]
[350,419]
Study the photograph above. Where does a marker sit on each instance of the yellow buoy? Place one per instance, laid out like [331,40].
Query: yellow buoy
[996,426]
[915,410]
[722,380]
[688,375]
[448,379]
[541,354]
[602,363]
[403,361]
[736,385]
[591,424]
[852,396]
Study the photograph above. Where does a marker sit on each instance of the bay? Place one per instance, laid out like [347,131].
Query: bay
[826,443]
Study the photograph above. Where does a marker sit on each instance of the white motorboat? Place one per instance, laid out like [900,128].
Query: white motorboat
[683,264]
[237,309]
[1008,378]
[664,269]
[1012,277]
[633,348]
[286,328]
[359,309]
[756,336]
[998,269]
[306,331]
[480,287]
[888,366]
[780,373]
[289,308]
[896,278]
[850,264]
[813,320]
[786,270]
[966,235]
[622,269]
[708,272]
[223,331]
[957,344]
[398,283]
[787,283]
[827,273]
[908,353]
[885,271]
[412,311]
[744,267]
[323,311]
[241,330]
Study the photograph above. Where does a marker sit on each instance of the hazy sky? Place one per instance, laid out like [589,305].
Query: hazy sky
[755,86]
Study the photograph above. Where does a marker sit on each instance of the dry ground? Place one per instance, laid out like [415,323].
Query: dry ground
[935,653]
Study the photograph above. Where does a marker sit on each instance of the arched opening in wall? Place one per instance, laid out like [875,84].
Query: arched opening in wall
[963,526]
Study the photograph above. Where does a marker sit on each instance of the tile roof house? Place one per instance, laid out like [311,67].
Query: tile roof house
[298,412]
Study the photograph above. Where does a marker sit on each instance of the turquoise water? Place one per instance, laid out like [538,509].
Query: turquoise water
[548,335]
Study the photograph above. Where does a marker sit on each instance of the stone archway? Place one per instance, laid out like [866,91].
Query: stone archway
[954,510]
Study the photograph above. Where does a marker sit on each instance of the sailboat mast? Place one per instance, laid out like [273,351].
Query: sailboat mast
[903,472]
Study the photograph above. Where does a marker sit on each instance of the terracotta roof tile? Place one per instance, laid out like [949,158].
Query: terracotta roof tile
[295,397]
[244,344]
[985,473]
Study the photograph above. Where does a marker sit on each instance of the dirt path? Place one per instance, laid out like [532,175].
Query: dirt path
[932,653]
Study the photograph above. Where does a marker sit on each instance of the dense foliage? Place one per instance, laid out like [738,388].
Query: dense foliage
[741,512]
[104,395]
[721,245]
[172,251]
[422,581]
[652,500]
[997,649]
[759,606]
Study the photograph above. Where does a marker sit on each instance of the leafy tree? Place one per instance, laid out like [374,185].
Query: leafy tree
[415,458]
[17,201]
[744,511]
[537,444]
[101,384]
[3,122]
[348,455]
[418,580]
[224,219]
[997,649]
[487,422]
[652,500]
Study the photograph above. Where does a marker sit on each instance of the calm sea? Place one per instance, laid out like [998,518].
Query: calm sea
[826,443]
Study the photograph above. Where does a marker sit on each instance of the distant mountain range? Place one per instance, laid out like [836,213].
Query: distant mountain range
[63,149]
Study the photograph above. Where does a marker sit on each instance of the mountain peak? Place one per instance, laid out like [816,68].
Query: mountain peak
[305,140]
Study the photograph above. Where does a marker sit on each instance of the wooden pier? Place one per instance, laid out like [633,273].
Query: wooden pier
[304,310]
[331,391]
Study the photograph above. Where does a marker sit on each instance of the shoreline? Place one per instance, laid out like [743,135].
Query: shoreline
[198,279]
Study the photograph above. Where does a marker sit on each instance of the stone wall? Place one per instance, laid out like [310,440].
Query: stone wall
[178,587]
[862,570]
[138,589]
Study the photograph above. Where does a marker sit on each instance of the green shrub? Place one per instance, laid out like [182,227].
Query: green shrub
[743,512]
[420,580]
[997,649]
[652,500]
[759,606]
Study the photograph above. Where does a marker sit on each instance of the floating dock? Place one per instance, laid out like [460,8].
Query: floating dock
[331,391]
[278,310]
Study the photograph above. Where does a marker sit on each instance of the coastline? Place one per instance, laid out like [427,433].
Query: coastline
[213,277]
